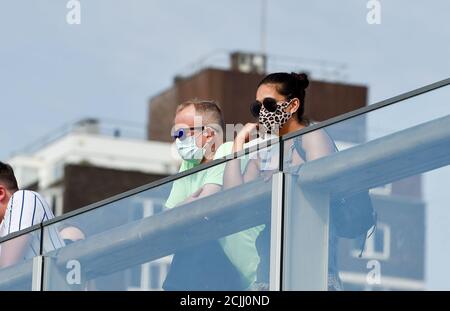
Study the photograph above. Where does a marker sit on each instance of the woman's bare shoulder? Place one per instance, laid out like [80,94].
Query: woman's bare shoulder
[319,136]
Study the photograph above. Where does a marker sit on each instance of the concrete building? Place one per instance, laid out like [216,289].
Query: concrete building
[84,166]
[235,89]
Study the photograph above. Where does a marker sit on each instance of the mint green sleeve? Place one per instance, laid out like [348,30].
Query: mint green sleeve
[214,174]
[177,195]
[178,191]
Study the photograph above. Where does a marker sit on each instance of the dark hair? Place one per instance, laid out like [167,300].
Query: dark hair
[7,177]
[291,85]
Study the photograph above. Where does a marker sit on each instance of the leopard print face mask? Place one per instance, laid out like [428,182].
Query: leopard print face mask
[273,121]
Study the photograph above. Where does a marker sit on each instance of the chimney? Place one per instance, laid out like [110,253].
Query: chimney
[248,62]
[87,126]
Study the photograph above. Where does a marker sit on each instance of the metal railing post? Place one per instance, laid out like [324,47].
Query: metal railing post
[305,265]
[276,231]
[36,280]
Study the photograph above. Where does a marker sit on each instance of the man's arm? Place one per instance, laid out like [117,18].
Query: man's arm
[204,191]
[14,250]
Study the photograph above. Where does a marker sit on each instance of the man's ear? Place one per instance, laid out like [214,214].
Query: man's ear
[209,132]
[3,193]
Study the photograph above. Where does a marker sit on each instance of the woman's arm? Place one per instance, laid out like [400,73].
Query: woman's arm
[232,176]
[317,144]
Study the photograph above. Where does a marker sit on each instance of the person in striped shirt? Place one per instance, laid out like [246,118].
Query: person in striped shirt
[20,209]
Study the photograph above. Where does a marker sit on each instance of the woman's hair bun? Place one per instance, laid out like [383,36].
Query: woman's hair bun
[302,79]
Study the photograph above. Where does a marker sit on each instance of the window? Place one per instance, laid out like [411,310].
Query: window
[378,245]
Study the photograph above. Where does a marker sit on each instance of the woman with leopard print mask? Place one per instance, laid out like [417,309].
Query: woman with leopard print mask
[279,109]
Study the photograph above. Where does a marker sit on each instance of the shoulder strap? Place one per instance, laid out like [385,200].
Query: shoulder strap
[299,148]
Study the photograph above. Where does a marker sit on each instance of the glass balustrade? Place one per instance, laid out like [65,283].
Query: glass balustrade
[359,204]
[398,167]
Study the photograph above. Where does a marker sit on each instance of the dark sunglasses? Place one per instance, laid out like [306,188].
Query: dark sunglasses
[181,133]
[269,103]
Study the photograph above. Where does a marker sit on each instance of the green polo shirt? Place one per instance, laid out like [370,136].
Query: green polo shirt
[240,247]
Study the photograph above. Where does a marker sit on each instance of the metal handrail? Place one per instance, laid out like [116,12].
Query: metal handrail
[381,161]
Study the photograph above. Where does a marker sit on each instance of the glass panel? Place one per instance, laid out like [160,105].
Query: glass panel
[174,237]
[394,252]
[390,169]
[16,261]
[391,119]
[409,249]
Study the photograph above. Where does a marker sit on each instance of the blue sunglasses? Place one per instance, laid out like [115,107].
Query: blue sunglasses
[181,133]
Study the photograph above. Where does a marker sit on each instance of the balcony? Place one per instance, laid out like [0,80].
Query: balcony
[281,217]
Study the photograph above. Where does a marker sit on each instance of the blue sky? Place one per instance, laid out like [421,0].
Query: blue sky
[126,51]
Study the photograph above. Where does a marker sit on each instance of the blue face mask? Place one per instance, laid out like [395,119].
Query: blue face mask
[188,149]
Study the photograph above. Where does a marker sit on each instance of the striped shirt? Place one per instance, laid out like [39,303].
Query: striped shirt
[25,209]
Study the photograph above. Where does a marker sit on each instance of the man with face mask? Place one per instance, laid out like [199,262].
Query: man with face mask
[198,139]
[198,134]
[219,264]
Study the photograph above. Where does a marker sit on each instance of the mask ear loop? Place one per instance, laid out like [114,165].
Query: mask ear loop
[289,103]
[206,134]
